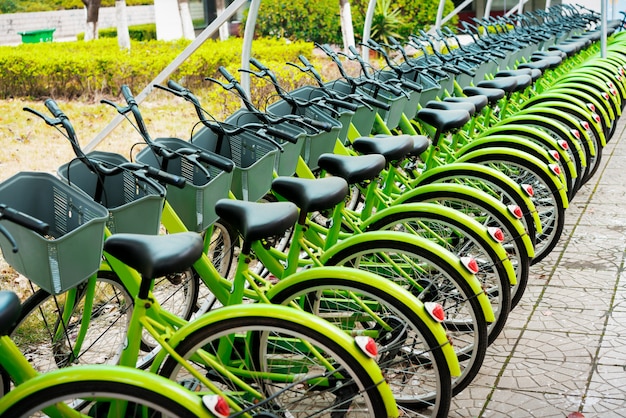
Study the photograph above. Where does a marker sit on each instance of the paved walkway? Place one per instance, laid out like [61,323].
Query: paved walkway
[564,347]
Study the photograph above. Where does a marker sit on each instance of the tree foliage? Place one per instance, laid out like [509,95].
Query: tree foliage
[307,20]
[413,15]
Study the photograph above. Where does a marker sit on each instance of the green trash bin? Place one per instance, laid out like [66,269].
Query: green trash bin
[36,36]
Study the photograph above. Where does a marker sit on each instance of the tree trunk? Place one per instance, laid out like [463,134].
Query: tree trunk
[224,31]
[347,30]
[186,21]
[93,9]
[123,37]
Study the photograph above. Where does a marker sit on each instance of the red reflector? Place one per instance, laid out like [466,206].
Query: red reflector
[596,117]
[555,154]
[605,95]
[367,345]
[585,125]
[555,169]
[496,233]
[516,211]
[436,311]
[576,134]
[217,405]
[528,189]
[470,264]
[591,107]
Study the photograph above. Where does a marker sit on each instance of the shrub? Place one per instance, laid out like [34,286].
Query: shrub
[416,14]
[145,32]
[89,69]
[309,20]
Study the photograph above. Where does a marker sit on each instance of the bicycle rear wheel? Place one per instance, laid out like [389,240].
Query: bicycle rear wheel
[51,342]
[410,355]
[490,213]
[548,196]
[279,363]
[431,277]
[465,237]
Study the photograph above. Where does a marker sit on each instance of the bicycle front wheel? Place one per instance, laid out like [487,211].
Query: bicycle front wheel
[278,361]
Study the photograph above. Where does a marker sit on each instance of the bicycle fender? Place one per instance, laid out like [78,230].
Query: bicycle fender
[443,254]
[602,76]
[521,119]
[603,107]
[569,96]
[565,118]
[428,191]
[485,155]
[460,167]
[527,139]
[522,138]
[86,373]
[578,109]
[350,275]
[602,91]
[429,209]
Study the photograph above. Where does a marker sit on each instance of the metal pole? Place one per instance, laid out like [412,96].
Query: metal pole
[173,66]
[604,23]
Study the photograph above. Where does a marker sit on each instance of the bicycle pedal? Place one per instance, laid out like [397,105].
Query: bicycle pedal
[190,384]
[175,279]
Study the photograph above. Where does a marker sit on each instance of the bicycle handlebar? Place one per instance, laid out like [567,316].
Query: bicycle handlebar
[23,219]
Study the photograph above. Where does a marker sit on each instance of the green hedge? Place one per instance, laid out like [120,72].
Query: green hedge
[90,69]
[145,32]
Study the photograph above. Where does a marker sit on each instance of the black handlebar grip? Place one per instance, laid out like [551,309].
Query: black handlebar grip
[258,64]
[324,126]
[165,177]
[175,86]
[54,108]
[128,95]
[353,50]
[376,103]
[228,76]
[277,133]
[25,220]
[343,104]
[216,160]
[304,60]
